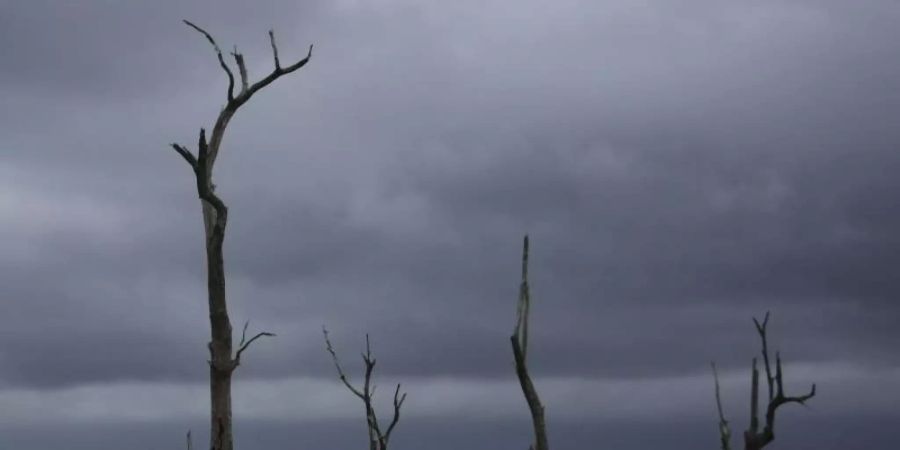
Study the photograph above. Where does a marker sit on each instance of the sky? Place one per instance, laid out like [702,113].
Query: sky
[681,167]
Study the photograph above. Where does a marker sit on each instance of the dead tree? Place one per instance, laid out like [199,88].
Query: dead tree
[223,357]
[378,438]
[754,438]
[519,340]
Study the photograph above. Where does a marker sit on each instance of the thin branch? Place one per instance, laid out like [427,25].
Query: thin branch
[245,344]
[242,69]
[278,72]
[186,154]
[190,443]
[219,55]
[369,391]
[275,49]
[724,430]
[397,405]
[780,398]
[247,90]
[244,333]
[337,366]
[761,329]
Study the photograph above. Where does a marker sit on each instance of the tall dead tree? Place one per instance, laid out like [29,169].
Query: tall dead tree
[223,357]
[754,437]
[378,438]
[519,340]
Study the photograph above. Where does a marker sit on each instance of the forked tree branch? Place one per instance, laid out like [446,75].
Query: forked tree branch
[378,440]
[753,438]
[247,88]
[245,343]
[398,402]
[205,190]
[278,71]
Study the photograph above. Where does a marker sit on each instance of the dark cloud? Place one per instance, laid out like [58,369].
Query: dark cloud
[681,167]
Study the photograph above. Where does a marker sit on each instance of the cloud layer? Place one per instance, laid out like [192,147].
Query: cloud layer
[680,166]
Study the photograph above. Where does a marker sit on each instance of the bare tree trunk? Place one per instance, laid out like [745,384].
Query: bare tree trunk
[220,346]
[519,341]
[223,359]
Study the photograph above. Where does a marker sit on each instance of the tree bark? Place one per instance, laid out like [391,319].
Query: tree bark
[220,346]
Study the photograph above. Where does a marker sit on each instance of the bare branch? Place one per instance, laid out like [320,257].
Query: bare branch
[397,405]
[753,438]
[245,344]
[761,329]
[202,148]
[369,392]
[244,334]
[275,49]
[724,430]
[219,55]
[337,365]
[242,69]
[186,154]
[205,188]
[277,73]
[378,440]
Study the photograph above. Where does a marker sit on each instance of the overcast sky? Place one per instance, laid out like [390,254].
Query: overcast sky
[681,167]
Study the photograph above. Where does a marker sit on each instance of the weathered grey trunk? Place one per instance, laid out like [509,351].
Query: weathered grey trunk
[220,346]
[519,341]
[223,357]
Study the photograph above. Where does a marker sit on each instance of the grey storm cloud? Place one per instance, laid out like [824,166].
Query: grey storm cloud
[680,166]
